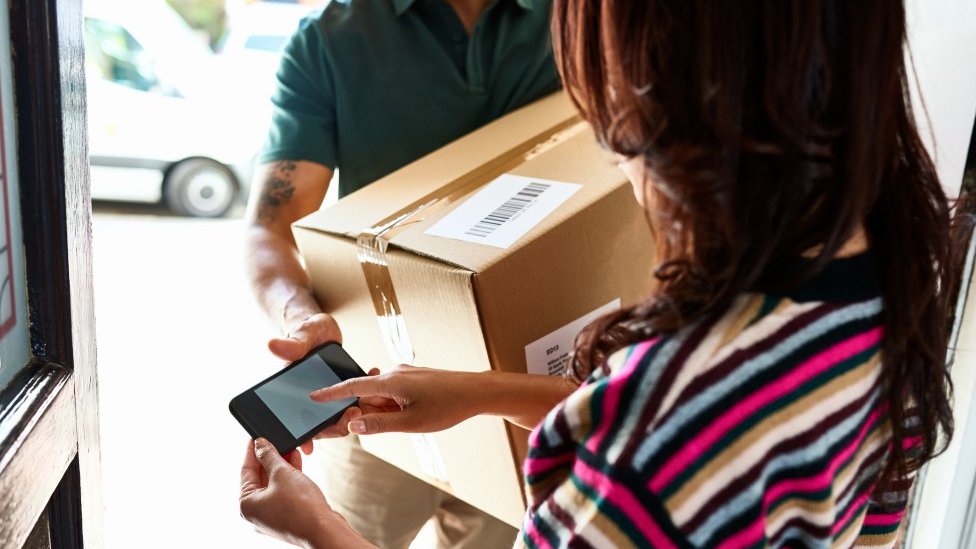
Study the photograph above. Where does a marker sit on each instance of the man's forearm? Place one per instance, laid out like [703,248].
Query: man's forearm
[283,192]
[278,278]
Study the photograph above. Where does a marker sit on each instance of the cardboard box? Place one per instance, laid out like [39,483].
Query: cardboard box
[474,307]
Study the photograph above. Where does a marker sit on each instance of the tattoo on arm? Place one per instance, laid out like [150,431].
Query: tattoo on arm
[278,190]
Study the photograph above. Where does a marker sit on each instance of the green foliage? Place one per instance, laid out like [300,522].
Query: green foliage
[208,16]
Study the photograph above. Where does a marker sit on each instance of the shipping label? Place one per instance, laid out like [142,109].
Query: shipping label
[550,355]
[504,210]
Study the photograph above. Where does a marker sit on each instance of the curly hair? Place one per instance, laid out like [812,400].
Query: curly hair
[770,128]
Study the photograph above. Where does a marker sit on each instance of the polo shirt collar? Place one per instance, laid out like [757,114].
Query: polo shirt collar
[400,6]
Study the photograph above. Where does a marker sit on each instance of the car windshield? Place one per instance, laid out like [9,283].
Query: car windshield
[178,56]
[112,53]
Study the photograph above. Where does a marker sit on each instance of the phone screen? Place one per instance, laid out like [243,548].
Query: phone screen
[287,396]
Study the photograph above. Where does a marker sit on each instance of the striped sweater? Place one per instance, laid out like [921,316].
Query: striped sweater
[760,427]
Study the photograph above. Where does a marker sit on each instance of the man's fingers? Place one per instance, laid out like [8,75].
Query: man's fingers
[352,388]
[324,328]
[317,330]
[311,333]
[295,459]
[307,448]
[288,349]
[250,471]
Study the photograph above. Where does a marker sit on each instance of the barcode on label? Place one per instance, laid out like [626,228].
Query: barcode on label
[507,211]
[504,210]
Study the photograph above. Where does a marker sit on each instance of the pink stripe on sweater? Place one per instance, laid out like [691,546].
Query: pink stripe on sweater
[535,535]
[611,396]
[826,477]
[884,519]
[622,498]
[908,443]
[534,466]
[744,538]
[692,450]
[755,531]
[856,506]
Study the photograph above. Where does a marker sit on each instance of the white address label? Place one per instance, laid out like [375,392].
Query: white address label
[550,354]
[504,210]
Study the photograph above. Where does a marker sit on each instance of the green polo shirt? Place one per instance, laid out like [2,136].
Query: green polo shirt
[367,86]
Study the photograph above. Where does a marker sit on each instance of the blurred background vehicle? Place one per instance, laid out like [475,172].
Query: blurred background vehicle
[170,121]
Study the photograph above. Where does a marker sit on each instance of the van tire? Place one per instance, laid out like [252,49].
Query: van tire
[200,187]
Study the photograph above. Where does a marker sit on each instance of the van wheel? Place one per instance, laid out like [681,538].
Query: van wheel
[199,187]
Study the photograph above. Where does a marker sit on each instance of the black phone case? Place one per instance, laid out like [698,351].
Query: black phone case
[281,438]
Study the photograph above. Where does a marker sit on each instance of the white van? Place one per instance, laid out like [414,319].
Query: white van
[165,124]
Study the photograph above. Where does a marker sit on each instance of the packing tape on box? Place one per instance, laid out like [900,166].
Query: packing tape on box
[373,244]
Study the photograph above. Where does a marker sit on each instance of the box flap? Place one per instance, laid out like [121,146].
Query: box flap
[503,139]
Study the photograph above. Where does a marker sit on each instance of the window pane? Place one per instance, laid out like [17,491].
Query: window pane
[14,347]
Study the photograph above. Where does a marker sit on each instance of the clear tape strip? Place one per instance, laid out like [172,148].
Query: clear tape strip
[429,456]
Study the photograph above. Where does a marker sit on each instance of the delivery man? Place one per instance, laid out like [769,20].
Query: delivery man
[365,87]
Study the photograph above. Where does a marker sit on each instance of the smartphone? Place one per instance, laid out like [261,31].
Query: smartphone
[279,408]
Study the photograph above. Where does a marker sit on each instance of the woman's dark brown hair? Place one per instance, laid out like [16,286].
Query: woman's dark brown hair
[770,128]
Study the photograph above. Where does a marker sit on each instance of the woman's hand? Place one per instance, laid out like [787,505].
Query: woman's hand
[407,399]
[284,503]
[341,427]
[425,400]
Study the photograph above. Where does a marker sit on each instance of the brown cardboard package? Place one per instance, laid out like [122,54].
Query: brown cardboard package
[473,307]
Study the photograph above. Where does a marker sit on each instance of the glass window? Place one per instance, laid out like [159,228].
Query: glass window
[14,346]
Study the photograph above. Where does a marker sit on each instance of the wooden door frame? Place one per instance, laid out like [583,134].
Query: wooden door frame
[54,400]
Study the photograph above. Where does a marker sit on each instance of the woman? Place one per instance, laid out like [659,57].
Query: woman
[786,377]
